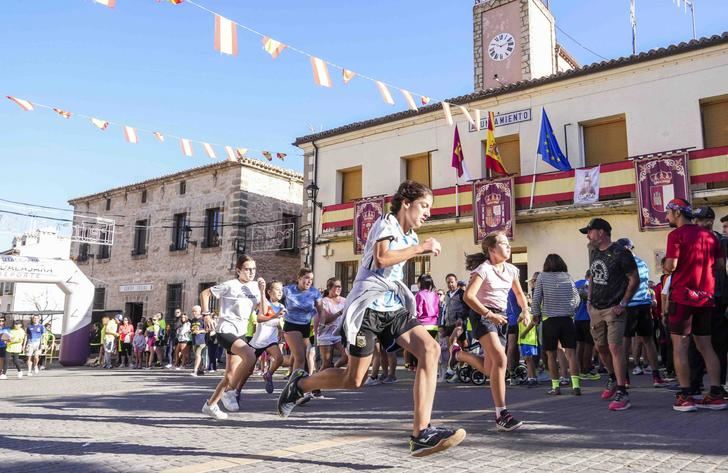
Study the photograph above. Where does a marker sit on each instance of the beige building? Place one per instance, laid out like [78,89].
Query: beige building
[181,233]
[665,99]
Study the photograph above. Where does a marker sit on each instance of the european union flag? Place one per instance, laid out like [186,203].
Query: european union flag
[548,147]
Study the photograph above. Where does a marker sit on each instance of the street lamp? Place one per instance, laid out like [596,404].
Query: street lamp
[312,192]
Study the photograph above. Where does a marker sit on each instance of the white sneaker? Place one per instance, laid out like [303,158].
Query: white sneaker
[177,368]
[637,371]
[372,381]
[647,369]
[30,373]
[213,411]
[168,366]
[42,368]
[3,376]
[193,374]
[230,402]
[37,371]
[20,374]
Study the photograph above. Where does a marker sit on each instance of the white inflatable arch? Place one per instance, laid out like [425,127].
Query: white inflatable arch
[75,285]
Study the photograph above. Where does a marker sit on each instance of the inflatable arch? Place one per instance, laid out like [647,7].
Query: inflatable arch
[79,293]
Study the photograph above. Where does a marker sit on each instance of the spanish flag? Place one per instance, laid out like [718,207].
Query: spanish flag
[493,160]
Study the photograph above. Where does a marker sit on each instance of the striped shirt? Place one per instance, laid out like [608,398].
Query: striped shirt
[554,296]
[642,296]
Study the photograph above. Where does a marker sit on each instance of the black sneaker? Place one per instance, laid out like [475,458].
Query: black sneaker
[435,439]
[506,422]
[576,391]
[290,394]
[554,392]
[317,393]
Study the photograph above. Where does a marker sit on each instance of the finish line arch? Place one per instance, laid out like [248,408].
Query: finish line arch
[78,305]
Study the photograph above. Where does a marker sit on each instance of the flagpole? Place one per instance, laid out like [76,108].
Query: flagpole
[533,182]
[457,200]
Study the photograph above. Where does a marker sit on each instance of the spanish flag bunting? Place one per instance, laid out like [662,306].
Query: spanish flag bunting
[176,2]
[24,104]
[107,3]
[209,151]
[386,95]
[467,114]
[273,47]
[100,124]
[159,136]
[348,75]
[448,113]
[267,155]
[226,36]
[130,134]
[425,100]
[281,156]
[408,98]
[241,152]
[320,72]
[62,113]
[186,146]
[493,159]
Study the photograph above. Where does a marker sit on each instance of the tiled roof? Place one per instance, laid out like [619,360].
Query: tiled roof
[594,68]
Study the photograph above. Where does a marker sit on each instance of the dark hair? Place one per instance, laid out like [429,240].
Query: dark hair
[662,260]
[476,259]
[330,285]
[554,264]
[241,260]
[302,272]
[451,275]
[408,190]
[270,286]
[425,282]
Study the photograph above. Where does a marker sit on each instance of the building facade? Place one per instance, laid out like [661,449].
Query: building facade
[178,234]
[666,99]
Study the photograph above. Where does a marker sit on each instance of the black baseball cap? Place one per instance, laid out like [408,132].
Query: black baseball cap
[704,212]
[626,242]
[597,224]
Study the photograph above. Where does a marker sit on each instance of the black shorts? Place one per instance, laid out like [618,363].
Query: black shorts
[303,329]
[482,326]
[558,329]
[639,321]
[513,329]
[260,351]
[226,340]
[583,331]
[386,326]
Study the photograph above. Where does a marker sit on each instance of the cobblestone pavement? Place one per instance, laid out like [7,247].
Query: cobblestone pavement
[133,421]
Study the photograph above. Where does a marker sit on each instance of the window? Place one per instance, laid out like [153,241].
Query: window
[104,251]
[174,299]
[144,196]
[83,252]
[605,140]
[214,303]
[179,240]
[350,185]
[99,298]
[714,115]
[418,167]
[7,288]
[108,204]
[289,241]
[509,148]
[213,228]
[346,272]
[182,187]
[415,267]
[140,238]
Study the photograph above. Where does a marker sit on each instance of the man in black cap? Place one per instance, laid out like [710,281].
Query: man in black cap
[612,283]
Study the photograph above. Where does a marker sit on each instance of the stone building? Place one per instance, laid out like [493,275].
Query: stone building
[178,234]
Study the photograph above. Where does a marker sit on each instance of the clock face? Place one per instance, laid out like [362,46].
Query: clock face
[501,47]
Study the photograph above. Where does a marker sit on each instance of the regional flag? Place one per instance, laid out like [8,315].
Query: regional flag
[548,147]
[458,158]
[267,155]
[493,160]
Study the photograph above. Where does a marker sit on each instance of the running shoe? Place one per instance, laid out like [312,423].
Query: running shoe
[684,403]
[268,377]
[177,368]
[610,390]
[554,391]
[305,399]
[30,373]
[3,376]
[37,371]
[564,381]
[317,393]
[506,422]
[531,382]
[576,391]
[723,392]
[372,381]
[590,376]
[620,402]
[193,374]
[230,401]
[712,402]
[435,439]
[647,370]
[290,394]
[452,377]
[213,411]
[389,380]
[637,371]
[658,382]
[168,366]
[20,374]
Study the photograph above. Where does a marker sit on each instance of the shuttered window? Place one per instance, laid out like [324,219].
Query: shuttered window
[509,148]
[418,169]
[714,115]
[605,140]
[350,185]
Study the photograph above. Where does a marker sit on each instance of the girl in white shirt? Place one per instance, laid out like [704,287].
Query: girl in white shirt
[328,325]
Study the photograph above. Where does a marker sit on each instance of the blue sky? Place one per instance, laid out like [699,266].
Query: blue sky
[153,65]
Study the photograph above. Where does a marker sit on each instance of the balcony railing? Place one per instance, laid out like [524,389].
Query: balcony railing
[707,167]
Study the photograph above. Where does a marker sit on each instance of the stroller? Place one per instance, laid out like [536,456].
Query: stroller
[468,374]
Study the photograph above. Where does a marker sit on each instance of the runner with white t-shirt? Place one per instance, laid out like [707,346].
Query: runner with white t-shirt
[239,298]
[328,328]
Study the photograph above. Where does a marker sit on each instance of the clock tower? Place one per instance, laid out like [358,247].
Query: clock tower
[513,40]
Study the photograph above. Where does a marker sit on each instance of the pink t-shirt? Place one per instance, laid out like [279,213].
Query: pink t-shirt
[428,307]
[493,292]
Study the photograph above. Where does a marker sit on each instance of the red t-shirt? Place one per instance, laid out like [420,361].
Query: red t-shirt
[696,249]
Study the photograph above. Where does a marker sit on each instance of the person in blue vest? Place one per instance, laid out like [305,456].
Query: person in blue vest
[34,332]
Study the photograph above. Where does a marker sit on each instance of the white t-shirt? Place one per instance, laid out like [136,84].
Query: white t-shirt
[666,286]
[496,284]
[329,333]
[266,333]
[237,302]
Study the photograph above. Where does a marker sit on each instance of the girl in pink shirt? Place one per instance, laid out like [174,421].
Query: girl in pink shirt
[428,304]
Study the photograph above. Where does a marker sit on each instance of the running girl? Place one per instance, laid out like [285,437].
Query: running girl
[328,336]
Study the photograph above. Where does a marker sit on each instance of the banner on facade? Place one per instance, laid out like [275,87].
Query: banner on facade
[660,180]
[586,186]
[494,207]
[366,212]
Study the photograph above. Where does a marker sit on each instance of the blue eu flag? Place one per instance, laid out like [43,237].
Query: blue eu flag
[548,147]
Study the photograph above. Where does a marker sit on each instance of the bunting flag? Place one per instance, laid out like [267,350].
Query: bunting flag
[493,159]
[208,149]
[408,98]
[62,113]
[267,155]
[226,36]
[386,95]
[241,152]
[467,114]
[100,124]
[281,156]
[107,3]
[448,113]
[425,100]
[159,136]
[348,75]
[230,153]
[273,47]
[176,2]
[186,146]
[24,104]
[477,119]
[130,134]
[320,72]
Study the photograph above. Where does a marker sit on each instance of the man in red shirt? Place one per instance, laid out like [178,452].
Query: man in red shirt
[691,254]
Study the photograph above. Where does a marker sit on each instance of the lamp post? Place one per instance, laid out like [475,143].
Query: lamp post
[312,193]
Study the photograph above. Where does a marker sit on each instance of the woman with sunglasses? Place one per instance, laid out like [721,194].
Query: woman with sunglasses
[328,333]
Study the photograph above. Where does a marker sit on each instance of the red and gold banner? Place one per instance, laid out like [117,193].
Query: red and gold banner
[660,180]
[366,212]
[494,207]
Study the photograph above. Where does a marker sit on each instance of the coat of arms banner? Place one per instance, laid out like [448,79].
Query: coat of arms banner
[494,207]
[660,180]
[366,212]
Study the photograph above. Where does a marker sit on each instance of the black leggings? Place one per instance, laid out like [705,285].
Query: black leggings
[125,353]
[16,361]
